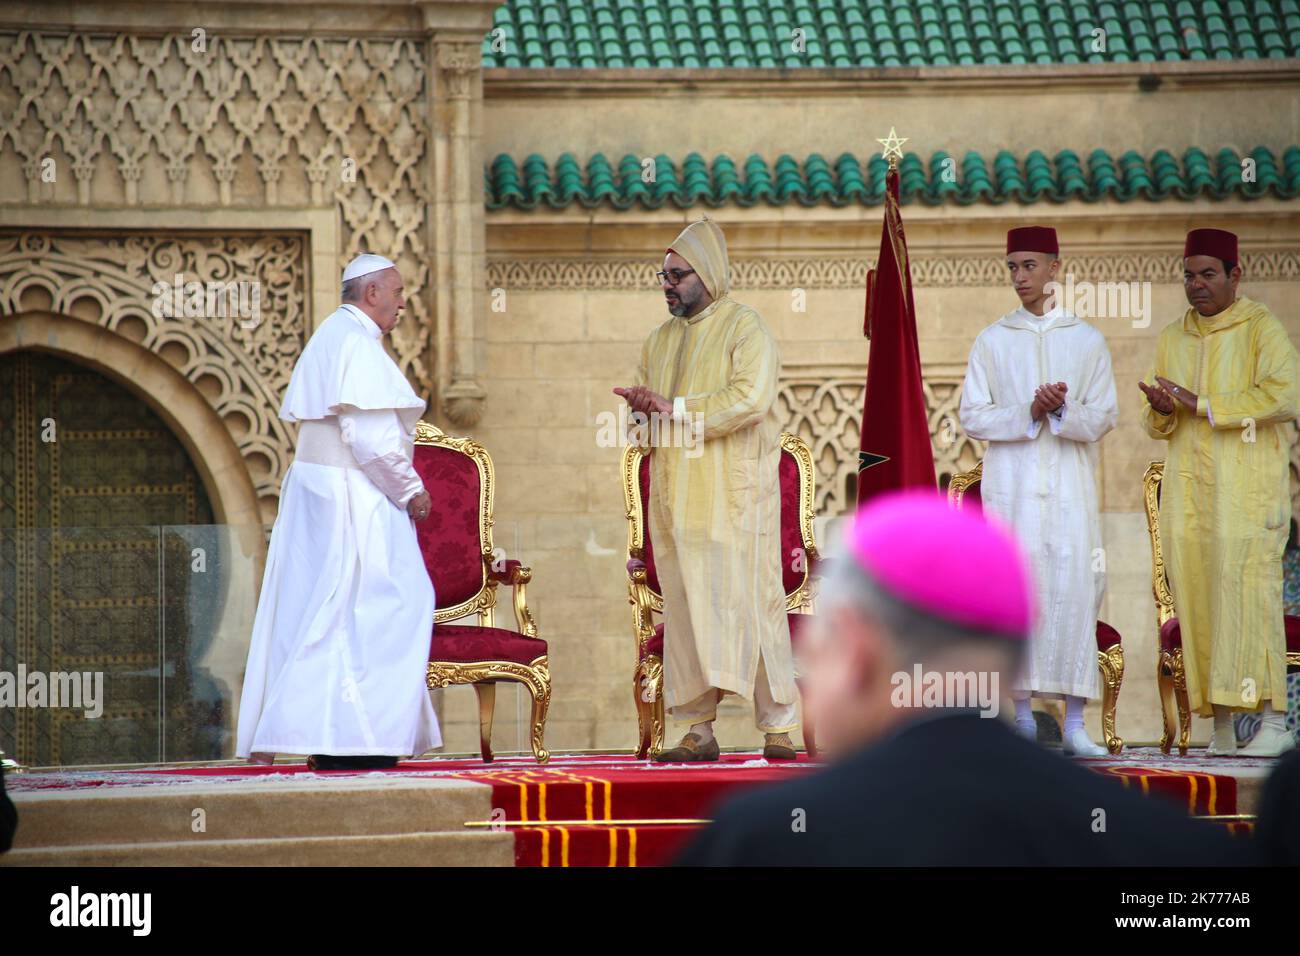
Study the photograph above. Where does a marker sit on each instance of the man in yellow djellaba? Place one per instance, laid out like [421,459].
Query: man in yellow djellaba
[1221,392]
[715,506]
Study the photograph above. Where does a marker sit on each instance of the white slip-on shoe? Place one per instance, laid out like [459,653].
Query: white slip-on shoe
[1077,743]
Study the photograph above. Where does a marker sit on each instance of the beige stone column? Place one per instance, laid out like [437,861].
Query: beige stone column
[457,231]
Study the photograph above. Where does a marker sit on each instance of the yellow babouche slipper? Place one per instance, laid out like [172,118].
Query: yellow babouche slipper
[778,747]
[689,750]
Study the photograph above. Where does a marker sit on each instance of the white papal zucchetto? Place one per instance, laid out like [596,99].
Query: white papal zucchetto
[365,264]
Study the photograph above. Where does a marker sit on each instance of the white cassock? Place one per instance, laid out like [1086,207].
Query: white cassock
[340,643]
[1042,481]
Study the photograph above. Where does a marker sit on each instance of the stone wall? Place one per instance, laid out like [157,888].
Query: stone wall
[572,326]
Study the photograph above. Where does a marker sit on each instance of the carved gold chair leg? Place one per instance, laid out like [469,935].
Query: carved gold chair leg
[1184,707]
[487,701]
[1165,687]
[1111,663]
[657,720]
[654,700]
[540,688]
[644,714]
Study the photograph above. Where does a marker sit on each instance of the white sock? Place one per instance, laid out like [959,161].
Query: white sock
[1225,734]
[1073,713]
[704,729]
[1270,718]
[1024,714]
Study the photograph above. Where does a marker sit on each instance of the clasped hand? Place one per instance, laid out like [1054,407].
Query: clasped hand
[1047,398]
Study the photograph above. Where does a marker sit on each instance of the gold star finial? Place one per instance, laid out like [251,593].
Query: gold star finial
[893,147]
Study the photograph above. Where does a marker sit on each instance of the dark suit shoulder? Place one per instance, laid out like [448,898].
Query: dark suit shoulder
[956,790]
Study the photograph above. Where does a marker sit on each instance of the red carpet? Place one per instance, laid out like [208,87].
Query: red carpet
[577,795]
[1204,794]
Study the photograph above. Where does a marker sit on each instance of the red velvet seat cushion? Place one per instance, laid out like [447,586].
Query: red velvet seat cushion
[449,536]
[470,643]
[1170,635]
[798,627]
[1107,636]
[655,645]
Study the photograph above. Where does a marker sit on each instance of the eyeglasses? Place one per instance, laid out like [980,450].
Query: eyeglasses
[673,276]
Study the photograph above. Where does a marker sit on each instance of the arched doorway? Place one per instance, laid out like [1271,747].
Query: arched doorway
[99,503]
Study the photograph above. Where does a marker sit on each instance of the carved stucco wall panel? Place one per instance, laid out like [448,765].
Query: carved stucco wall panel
[823,406]
[241,368]
[831,272]
[249,121]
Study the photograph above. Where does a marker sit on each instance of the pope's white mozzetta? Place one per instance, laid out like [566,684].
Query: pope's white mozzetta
[341,638]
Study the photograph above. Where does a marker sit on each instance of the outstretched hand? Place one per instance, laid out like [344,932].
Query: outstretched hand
[644,400]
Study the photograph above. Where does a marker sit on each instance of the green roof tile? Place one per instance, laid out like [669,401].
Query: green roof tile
[850,180]
[752,33]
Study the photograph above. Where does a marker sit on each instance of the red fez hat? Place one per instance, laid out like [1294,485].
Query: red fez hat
[1032,239]
[1218,243]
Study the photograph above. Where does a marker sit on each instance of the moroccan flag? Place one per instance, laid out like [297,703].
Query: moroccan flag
[896,449]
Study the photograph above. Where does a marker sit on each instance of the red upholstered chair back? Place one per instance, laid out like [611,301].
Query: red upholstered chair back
[798,549]
[456,535]
[794,549]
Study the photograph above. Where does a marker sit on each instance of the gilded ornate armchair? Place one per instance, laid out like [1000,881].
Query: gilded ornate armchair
[1110,646]
[798,563]
[456,542]
[1171,678]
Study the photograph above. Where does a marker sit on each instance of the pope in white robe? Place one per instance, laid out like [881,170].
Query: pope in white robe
[336,664]
[1040,390]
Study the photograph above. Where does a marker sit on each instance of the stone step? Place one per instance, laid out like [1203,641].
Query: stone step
[466,848]
[381,805]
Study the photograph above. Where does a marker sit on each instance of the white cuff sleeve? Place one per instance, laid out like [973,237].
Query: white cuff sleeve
[379,444]
[679,409]
[1034,427]
[1055,420]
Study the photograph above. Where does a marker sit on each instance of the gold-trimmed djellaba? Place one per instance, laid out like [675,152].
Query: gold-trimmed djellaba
[647,676]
